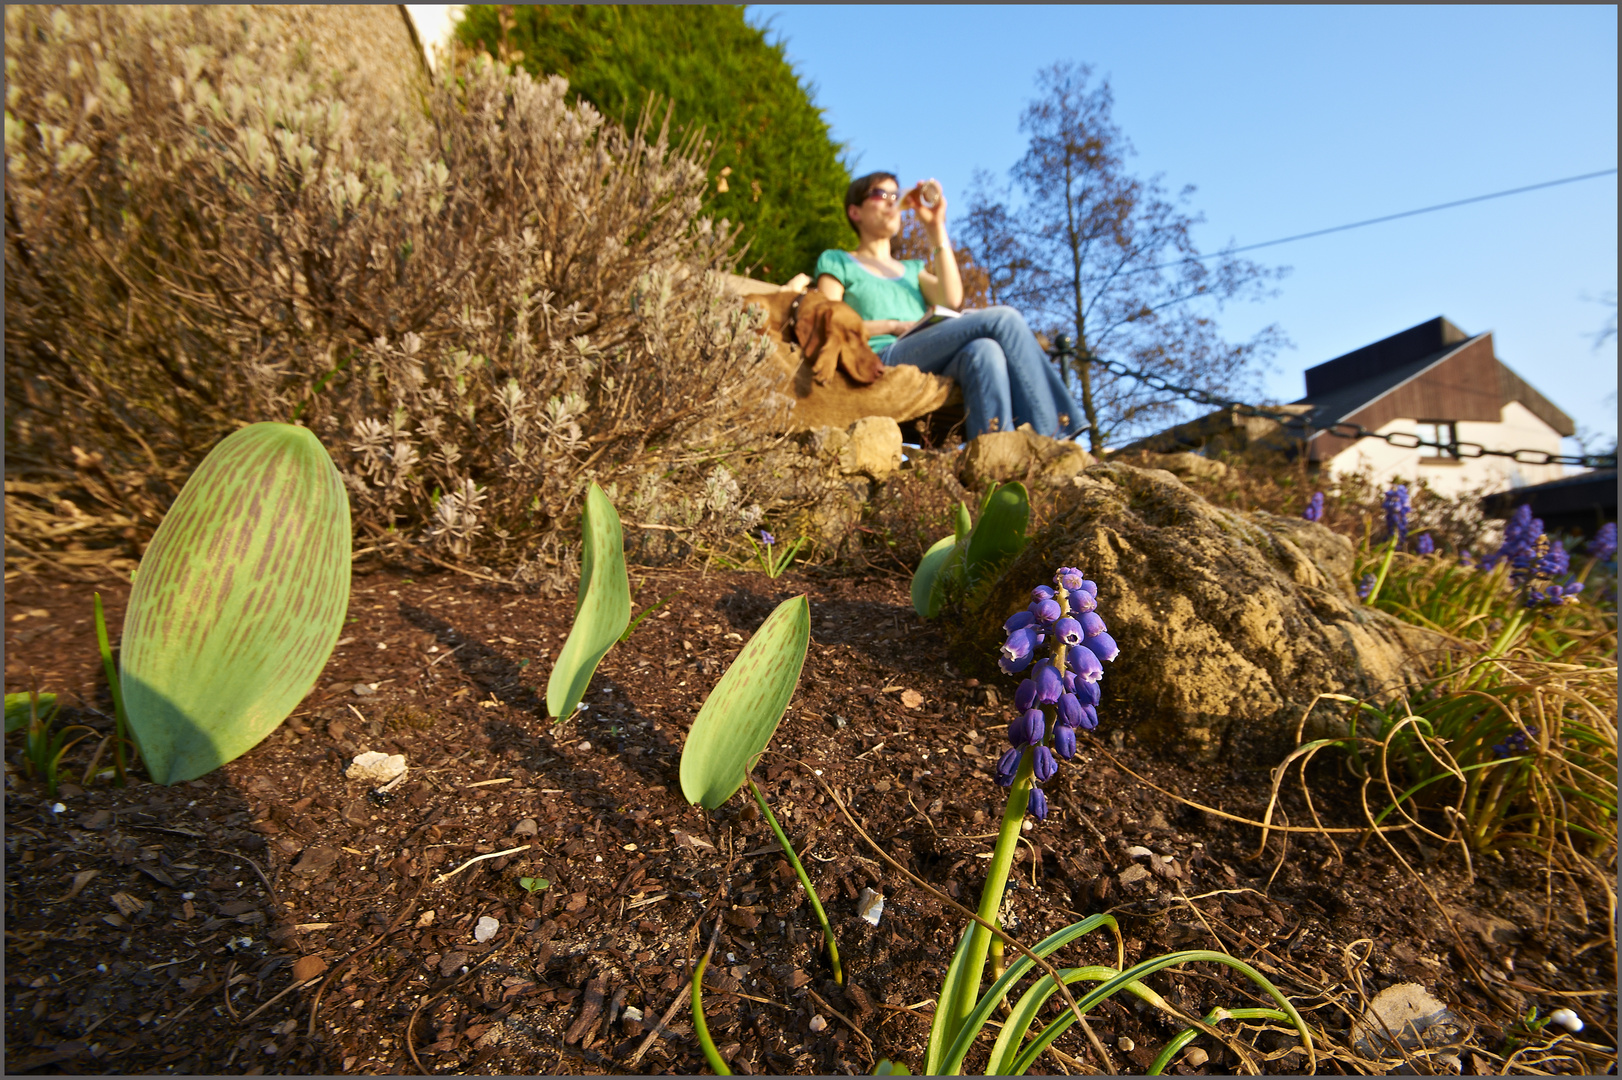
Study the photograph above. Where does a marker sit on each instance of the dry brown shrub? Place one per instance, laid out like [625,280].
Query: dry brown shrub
[478,304]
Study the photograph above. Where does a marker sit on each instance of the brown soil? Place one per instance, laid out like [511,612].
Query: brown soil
[160,929]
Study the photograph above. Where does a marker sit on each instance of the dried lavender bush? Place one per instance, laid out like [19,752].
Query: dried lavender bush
[477,301]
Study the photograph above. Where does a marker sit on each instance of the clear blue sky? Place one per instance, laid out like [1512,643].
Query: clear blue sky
[1289,119]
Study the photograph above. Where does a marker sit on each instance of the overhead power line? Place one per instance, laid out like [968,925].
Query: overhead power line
[1388,217]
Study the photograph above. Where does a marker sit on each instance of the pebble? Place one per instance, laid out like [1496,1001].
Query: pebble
[1566,1019]
[870,906]
[1132,874]
[584,745]
[817,1024]
[1125,1044]
[1195,1057]
[527,827]
[376,768]
[486,929]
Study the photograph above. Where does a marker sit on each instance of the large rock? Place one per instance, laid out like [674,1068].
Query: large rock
[872,448]
[1229,623]
[1023,455]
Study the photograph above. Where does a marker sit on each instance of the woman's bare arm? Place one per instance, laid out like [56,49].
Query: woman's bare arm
[829,286]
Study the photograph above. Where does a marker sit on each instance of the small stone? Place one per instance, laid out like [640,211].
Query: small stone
[1132,875]
[585,745]
[1195,1057]
[870,906]
[376,768]
[632,1013]
[911,699]
[426,918]
[1139,852]
[486,929]
[1125,1044]
[1566,1019]
[527,827]
[818,1024]
[360,689]
[452,963]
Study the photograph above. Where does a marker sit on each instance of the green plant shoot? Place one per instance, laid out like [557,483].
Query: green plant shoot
[602,610]
[973,553]
[533,885]
[33,714]
[238,601]
[739,718]
[700,1028]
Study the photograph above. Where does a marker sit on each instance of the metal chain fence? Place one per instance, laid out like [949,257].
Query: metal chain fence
[1302,426]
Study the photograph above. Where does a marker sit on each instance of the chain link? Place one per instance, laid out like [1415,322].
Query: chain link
[1301,425]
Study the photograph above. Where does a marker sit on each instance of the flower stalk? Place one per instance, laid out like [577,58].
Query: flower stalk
[805,880]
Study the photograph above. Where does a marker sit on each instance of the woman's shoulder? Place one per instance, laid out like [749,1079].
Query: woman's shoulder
[835,263]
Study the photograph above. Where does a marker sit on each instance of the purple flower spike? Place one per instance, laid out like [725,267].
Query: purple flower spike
[1038,804]
[1069,681]
[1019,620]
[1103,646]
[1025,695]
[1045,765]
[1081,601]
[1090,588]
[1007,766]
[1048,684]
[1092,624]
[1315,508]
[1084,662]
[1425,545]
[767,538]
[1069,578]
[1069,630]
[1028,729]
[1046,610]
[1041,592]
[1064,742]
[1089,718]
[1603,546]
[1069,710]
[1088,693]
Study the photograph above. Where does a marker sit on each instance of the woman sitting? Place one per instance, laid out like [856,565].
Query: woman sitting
[1006,377]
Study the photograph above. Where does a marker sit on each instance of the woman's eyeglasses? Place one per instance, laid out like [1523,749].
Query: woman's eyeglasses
[880,193]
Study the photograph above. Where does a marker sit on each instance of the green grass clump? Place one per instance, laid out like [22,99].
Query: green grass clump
[1513,741]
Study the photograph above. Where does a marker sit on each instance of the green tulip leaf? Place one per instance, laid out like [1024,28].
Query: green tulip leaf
[742,712]
[926,585]
[238,601]
[20,709]
[999,535]
[961,523]
[603,609]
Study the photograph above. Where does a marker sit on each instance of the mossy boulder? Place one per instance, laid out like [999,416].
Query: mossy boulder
[1229,623]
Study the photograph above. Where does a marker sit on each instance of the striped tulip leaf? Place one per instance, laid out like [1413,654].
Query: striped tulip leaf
[742,712]
[602,611]
[238,601]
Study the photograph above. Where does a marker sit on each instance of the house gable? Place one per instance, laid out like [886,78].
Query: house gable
[1429,372]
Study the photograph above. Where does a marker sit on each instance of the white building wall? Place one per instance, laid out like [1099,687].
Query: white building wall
[1517,429]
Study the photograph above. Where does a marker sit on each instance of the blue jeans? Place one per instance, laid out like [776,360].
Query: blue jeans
[1007,379]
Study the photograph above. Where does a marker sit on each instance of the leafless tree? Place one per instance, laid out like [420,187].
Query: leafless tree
[1089,250]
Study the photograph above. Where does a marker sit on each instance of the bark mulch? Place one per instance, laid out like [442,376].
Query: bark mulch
[276,917]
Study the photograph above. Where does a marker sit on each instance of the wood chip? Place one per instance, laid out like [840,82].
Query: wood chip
[590,1010]
[80,880]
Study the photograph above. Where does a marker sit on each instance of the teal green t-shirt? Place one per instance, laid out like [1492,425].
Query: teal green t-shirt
[875,297]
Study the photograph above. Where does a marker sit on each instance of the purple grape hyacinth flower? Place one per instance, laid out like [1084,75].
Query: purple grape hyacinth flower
[1425,545]
[1603,547]
[1365,587]
[1395,504]
[1065,620]
[1315,508]
[767,538]
[1038,804]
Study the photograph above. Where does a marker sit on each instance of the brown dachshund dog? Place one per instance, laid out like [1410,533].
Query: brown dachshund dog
[829,333]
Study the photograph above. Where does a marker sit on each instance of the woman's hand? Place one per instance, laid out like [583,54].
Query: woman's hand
[873,328]
[931,217]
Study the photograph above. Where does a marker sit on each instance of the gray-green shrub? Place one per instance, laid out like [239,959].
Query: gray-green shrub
[478,300]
